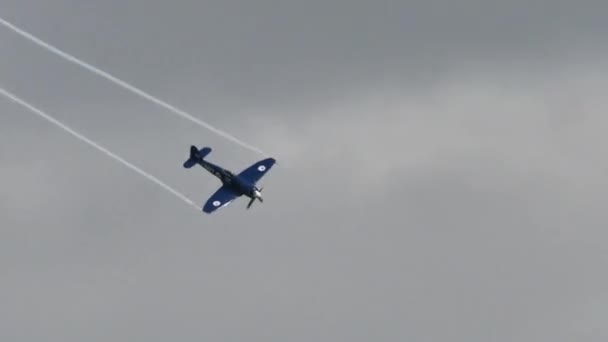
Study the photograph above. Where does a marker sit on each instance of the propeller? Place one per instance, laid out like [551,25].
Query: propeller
[250,203]
[254,198]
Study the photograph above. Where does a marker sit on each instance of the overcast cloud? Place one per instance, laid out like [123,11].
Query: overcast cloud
[442,172]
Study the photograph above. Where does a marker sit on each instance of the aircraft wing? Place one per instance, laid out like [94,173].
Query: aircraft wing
[256,171]
[221,198]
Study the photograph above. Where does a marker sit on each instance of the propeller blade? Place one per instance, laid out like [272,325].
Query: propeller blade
[250,203]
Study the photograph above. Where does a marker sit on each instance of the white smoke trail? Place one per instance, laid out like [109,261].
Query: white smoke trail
[97,146]
[127,86]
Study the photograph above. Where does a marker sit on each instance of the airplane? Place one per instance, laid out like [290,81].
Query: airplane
[233,186]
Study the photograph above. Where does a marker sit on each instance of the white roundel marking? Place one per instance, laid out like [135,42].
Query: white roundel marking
[261,168]
[216,203]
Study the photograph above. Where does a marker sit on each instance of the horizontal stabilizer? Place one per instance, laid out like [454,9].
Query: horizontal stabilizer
[196,155]
[190,163]
[204,152]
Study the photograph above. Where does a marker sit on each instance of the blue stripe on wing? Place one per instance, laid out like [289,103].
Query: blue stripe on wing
[256,171]
[222,197]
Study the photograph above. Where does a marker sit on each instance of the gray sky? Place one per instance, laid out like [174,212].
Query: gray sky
[442,177]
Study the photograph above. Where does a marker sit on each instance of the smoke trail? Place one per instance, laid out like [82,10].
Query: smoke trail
[98,147]
[127,86]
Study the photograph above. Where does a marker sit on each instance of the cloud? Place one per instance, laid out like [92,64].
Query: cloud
[296,52]
[516,124]
[441,173]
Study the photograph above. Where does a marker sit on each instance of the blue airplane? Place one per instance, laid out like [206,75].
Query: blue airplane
[233,186]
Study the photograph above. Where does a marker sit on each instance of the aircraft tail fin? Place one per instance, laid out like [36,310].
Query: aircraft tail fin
[196,155]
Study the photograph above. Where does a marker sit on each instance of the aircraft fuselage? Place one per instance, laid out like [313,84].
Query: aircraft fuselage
[228,178]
